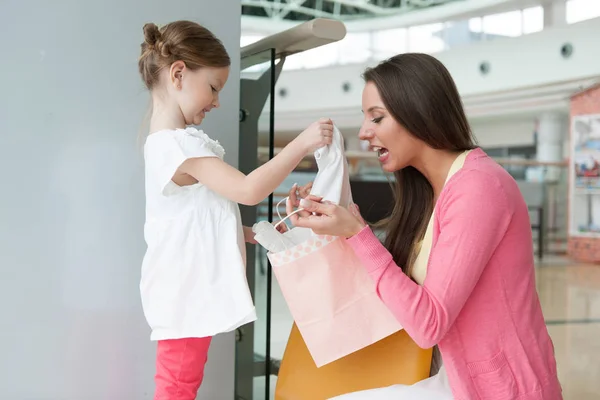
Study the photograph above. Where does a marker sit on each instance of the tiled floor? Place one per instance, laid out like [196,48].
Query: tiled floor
[570,297]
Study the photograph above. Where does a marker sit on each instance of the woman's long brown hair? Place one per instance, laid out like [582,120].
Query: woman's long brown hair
[420,94]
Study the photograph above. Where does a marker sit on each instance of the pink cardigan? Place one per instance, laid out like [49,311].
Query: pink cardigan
[478,302]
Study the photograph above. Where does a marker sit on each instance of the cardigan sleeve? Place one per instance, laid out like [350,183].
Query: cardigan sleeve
[473,217]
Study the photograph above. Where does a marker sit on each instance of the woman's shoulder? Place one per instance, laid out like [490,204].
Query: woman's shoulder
[481,169]
[482,179]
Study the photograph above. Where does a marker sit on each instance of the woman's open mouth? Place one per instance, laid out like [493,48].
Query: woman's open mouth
[382,153]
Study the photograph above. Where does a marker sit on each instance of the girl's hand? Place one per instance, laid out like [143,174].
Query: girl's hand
[281,228]
[317,135]
[249,235]
[304,191]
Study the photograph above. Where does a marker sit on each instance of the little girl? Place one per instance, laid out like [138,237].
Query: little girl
[193,283]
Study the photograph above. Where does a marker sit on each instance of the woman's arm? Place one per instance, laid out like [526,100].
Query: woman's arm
[474,219]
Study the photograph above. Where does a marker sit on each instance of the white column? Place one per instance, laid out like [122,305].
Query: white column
[555,13]
[551,136]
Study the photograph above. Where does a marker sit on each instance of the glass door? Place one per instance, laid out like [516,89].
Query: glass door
[253,351]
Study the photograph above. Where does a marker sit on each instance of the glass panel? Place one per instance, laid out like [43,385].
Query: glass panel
[245,40]
[355,48]
[252,347]
[294,62]
[319,57]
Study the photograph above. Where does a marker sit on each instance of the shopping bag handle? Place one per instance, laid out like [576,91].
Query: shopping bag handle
[282,220]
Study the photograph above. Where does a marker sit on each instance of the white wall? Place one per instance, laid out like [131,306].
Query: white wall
[72,205]
[504,132]
[526,61]
[528,74]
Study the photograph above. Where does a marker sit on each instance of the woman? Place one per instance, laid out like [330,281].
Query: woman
[456,267]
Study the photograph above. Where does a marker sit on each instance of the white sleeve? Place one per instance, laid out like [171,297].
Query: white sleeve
[165,152]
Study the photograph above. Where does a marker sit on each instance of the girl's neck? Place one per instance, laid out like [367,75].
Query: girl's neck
[165,115]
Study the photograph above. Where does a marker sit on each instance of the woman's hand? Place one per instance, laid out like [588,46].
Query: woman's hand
[296,193]
[325,218]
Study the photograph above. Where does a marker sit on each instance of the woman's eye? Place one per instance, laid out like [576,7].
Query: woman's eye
[377,120]
[213,89]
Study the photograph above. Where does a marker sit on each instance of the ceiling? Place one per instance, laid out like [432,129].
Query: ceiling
[267,17]
[345,10]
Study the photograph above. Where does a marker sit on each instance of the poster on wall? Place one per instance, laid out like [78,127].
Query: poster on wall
[586,151]
[586,168]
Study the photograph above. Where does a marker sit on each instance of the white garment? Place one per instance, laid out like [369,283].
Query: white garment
[332,183]
[434,388]
[193,280]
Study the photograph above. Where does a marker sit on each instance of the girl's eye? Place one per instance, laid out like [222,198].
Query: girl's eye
[377,120]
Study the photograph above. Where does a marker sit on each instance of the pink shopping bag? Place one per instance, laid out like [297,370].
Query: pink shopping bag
[331,297]
[328,291]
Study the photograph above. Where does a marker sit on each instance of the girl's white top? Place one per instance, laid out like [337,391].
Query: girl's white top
[193,280]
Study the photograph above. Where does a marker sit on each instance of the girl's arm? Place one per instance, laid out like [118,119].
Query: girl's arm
[251,189]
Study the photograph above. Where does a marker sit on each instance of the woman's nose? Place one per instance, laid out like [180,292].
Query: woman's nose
[365,133]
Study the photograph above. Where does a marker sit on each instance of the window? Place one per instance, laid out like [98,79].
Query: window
[580,10]
[476,24]
[388,43]
[426,38]
[461,32]
[533,19]
[506,24]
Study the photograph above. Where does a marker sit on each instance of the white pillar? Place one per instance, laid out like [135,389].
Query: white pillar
[555,13]
[551,135]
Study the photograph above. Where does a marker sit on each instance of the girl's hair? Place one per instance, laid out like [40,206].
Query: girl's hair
[420,94]
[183,41]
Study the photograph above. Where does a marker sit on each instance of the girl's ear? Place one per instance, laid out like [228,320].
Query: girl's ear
[176,72]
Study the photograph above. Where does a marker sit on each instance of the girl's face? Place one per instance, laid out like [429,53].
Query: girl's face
[396,146]
[197,92]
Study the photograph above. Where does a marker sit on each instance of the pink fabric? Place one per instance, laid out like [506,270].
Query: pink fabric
[478,302]
[180,368]
[334,303]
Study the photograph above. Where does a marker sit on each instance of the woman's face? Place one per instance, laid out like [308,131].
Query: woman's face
[395,146]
